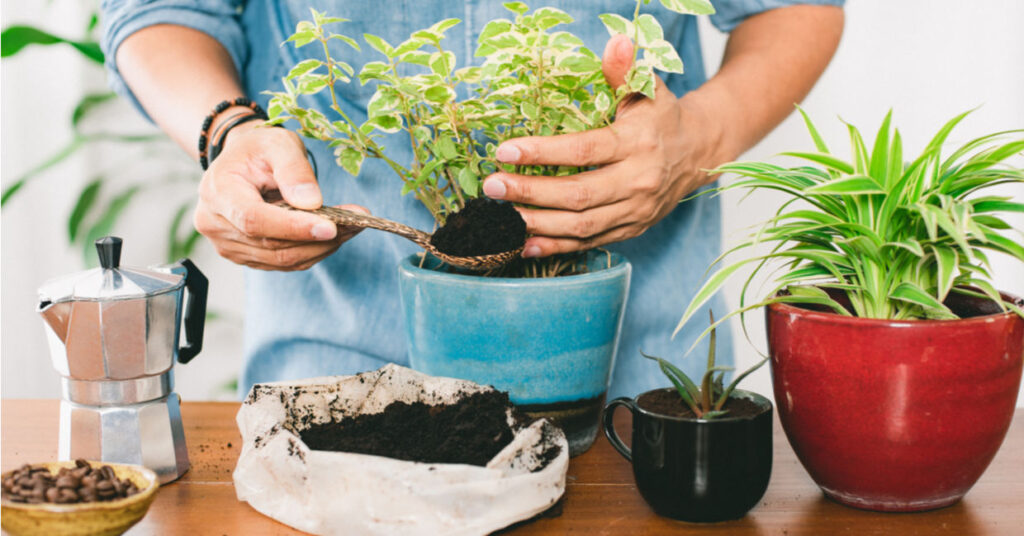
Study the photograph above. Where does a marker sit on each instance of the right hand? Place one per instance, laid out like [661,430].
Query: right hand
[259,164]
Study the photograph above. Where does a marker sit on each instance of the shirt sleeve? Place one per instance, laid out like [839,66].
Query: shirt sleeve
[729,13]
[220,19]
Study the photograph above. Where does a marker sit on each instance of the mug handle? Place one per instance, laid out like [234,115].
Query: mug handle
[609,427]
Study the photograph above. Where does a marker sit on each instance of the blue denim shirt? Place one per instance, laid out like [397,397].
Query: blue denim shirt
[343,315]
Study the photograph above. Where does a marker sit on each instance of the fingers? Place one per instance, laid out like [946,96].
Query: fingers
[566,224]
[617,59]
[295,179]
[266,253]
[572,192]
[584,149]
[231,196]
[544,246]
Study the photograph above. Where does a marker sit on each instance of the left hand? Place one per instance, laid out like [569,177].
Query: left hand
[651,157]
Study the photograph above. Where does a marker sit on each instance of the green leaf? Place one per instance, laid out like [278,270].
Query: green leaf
[736,381]
[616,24]
[493,28]
[379,45]
[516,7]
[86,199]
[15,38]
[302,68]
[687,389]
[819,143]
[439,94]
[87,103]
[689,7]
[469,182]
[946,263]
[443,25]
[302,38]
[445,148]
[911,293]
[826,160]
[62,154]
[442,62]
[351,160]
[345,39]
[650,30]
[855,184]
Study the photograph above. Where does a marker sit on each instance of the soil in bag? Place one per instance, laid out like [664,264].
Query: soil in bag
[471,431]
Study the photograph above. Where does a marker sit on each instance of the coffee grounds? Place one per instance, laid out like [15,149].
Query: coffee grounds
[471,431]
[483,227]
[668,402]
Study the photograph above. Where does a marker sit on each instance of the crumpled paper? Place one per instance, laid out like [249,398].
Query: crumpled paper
[343,493]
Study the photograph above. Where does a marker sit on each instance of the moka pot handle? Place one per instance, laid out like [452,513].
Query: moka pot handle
[196,287]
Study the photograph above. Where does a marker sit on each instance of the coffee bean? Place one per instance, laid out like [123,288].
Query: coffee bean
[52,494]
[104,485]
[108,471]
[67,481]
[84,483]
[82,463]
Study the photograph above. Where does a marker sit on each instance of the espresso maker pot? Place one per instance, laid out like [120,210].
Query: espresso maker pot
[114,336]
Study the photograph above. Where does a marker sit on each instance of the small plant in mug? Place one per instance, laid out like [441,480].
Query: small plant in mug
[535,80]
[706,401]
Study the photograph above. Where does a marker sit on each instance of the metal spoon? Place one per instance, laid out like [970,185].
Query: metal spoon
[348,218]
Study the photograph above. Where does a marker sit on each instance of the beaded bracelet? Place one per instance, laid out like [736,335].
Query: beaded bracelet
[204,136]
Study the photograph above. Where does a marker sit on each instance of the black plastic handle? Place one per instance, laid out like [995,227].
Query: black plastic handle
[196,287]
[609,426]
[108,249]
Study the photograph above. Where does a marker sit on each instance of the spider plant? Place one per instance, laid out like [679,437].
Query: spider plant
[896,237]
[708,400]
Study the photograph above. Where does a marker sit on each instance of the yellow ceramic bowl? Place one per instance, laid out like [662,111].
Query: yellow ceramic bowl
[92,518]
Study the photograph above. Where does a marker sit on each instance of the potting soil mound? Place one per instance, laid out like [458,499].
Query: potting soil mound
[668,402]
[483,227]
[471,431]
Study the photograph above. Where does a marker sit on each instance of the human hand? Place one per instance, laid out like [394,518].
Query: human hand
[650,157]
[258,165]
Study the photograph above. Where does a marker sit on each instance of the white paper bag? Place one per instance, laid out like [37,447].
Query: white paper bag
[342,493]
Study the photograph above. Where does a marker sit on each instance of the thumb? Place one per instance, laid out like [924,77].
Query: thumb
[618,58]
[294,177]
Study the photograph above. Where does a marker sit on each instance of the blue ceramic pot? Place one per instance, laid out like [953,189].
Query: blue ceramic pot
[550,342]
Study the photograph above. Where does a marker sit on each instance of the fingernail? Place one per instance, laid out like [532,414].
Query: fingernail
[508,153]
[531,251]
[495,189]
[306,194]
[324,231]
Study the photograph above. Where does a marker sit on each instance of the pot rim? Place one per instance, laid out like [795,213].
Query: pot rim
[762,401]
[836,318]
[620,267]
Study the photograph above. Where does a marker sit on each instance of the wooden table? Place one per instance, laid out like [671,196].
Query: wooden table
[601,498]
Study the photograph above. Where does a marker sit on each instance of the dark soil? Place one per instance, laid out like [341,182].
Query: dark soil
[483,227]
[668,402]
[471,431]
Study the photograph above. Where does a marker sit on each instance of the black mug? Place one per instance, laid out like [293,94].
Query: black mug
[695,469]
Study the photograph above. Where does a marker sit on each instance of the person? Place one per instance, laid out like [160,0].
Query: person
[313,309]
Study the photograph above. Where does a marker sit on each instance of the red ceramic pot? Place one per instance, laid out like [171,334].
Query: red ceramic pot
[896,415]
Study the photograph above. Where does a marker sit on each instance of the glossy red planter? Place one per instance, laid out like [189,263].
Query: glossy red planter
[895,415]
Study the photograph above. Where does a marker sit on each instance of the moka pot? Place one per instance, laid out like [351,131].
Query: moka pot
[114,336]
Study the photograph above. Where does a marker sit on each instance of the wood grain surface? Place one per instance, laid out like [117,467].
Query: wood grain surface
[601,498]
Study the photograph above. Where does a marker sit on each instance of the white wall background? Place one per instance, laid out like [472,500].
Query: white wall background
[926,59]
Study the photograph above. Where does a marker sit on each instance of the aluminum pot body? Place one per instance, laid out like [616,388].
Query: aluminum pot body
[895,415]
[549,342]
[698,470]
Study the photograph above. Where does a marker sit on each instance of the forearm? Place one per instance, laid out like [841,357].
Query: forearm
[771,62]
[178,74]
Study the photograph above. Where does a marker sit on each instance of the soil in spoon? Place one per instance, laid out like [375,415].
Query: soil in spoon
[471,431]
[483,227]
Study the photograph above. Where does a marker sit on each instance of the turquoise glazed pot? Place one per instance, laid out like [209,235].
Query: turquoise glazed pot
[550,342]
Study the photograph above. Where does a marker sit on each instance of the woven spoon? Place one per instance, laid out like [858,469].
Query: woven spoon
[348,218]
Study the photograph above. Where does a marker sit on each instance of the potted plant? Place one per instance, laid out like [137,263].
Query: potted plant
[890,349]
[701,453]
[549,342]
